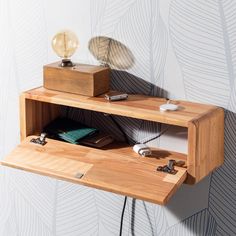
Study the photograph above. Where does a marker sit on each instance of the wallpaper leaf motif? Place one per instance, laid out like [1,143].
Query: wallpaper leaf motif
[10,227]
[142,19]
[161,223]
[75,212]
[8,97]
[28,221]
[128,22]
[146,218]
[21,52]
[139,26]
[203,38]
[110,212]
[222,199]
[201,223]
[5,203]
[106,15]
[31,188]
[29,40]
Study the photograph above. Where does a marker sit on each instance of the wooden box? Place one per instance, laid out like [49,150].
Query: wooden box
[88,80]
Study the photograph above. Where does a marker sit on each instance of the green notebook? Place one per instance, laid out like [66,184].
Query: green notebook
[68,130]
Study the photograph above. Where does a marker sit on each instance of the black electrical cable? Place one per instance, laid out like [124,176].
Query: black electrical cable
[158,136]
[133,216]
[122,216]
[120,128]
[135,142]
[127,140]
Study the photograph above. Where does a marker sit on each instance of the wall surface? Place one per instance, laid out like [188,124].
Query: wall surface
[185,49]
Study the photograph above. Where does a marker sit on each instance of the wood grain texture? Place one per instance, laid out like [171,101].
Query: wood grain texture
[117,169]
[35,115]
[81,79]
[205,145]
[137,106]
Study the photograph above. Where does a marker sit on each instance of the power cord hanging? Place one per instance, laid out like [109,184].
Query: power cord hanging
[127,140]
[122,216]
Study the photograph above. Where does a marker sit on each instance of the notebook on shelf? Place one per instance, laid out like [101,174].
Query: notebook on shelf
[68,130]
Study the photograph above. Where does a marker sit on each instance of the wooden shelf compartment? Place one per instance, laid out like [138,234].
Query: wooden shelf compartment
[118,169]
[137,106]
[205,123]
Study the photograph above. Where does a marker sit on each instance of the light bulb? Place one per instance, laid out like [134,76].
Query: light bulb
[64,44]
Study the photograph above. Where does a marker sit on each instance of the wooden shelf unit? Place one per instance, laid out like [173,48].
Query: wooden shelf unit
[117,168]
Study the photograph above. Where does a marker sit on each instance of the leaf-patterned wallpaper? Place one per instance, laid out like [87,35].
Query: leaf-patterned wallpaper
[182,49]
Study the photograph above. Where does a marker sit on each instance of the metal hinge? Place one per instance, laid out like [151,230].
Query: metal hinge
[41,140]
[169,168]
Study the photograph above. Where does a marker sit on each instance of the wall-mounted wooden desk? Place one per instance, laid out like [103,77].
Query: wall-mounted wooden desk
[117,168]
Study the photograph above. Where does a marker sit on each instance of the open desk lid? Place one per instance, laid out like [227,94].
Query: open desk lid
[117,169]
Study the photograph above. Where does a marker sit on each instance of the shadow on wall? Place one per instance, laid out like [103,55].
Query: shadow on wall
[119,58]
[218,213]
[111,52]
